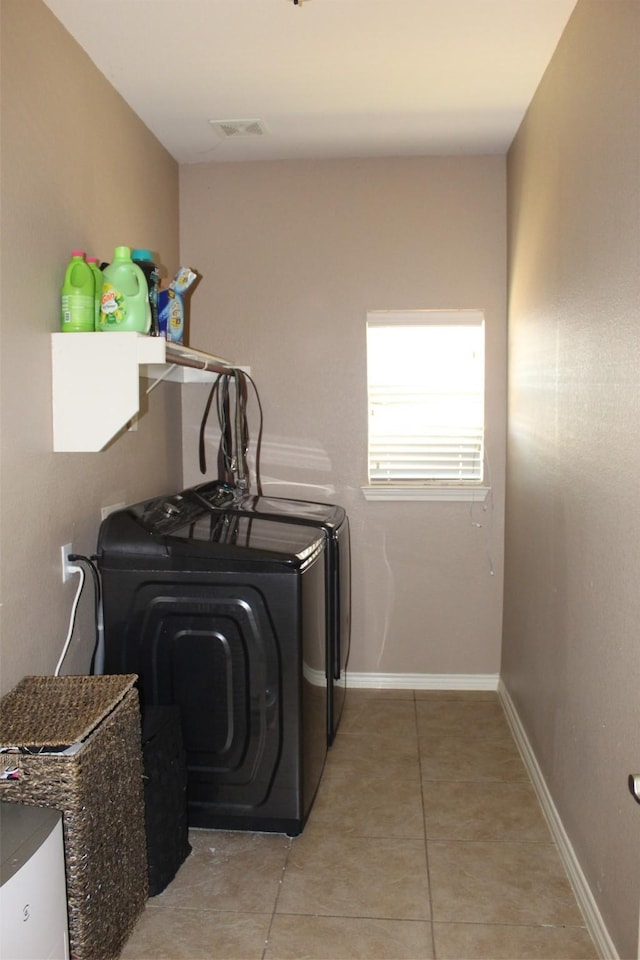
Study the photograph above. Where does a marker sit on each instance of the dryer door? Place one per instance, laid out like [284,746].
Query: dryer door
[211,649]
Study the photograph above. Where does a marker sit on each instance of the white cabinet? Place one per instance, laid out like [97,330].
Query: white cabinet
[33,896]
[95,381]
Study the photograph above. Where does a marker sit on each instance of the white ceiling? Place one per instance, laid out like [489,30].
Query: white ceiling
[327,78]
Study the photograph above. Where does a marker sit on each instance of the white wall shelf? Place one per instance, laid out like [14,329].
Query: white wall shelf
[95,382]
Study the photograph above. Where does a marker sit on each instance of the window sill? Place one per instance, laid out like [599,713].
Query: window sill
[475,494]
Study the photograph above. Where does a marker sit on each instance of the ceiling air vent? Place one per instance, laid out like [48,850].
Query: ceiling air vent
[238,128]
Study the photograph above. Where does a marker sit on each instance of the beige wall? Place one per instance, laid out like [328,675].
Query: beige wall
[79,170]
[293,254]
[571,658]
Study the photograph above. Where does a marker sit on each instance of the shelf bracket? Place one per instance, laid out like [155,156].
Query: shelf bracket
[161,378]
[96,382]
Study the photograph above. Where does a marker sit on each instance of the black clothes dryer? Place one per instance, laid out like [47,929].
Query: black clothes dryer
[333,520]
[225,616]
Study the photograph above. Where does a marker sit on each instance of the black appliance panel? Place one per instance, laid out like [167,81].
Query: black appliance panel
[212,651]
[234,636]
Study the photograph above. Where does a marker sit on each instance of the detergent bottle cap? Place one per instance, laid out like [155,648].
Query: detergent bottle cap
[139,254]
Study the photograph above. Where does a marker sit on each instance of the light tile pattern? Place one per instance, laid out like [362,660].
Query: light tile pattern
[426,840]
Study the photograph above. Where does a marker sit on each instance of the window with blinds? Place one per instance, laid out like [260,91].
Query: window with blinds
[425,373]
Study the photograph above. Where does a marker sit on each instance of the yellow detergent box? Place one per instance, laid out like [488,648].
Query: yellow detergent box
[171,306]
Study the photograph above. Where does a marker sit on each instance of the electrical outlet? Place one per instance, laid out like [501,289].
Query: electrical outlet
[68,569]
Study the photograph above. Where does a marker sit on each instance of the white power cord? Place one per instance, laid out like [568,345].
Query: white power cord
[72,619]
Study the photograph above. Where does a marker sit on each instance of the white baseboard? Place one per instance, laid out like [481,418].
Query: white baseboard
[586,902]
[423,681]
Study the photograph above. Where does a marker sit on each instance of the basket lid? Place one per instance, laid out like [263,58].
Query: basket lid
[58,711]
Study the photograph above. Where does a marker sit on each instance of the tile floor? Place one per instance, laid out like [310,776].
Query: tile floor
[426,840]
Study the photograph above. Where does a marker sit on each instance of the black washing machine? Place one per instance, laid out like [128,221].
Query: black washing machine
[333,520]
[225,616]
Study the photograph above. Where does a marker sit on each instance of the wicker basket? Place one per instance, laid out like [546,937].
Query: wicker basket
[98,788]
[165,792]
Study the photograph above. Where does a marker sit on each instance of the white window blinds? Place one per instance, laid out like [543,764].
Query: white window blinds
[426,396]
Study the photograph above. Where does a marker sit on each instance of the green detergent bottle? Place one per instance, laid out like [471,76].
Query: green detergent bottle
[77,296]
[125,298]
[94,264]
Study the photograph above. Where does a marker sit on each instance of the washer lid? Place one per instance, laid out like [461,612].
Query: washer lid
[220,496]
[250,533]
[166,529]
